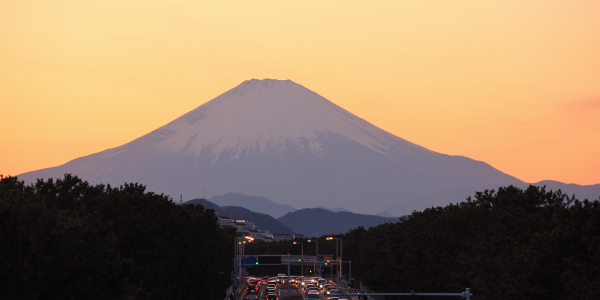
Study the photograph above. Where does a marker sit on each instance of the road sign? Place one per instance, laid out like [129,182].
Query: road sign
[249,262]
[233,275]
[269,260]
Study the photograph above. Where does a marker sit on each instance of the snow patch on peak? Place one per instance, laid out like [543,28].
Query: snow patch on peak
[266,115]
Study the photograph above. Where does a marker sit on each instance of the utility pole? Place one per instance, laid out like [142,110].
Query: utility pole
[339,258]
[316,258]
[302,256]
[349,271]
[289,282]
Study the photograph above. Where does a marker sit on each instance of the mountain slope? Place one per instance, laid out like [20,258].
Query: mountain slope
[315,222]
[281,140]
[337,209]
[258,204]
[207,204]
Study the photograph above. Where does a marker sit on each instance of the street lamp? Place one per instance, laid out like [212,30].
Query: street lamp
[302,253]
[317,256]
[296,243]
[340,257]
[239,251]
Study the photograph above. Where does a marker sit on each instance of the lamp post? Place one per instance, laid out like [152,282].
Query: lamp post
[239,251]
[302,257]
[317,256]
[340,257]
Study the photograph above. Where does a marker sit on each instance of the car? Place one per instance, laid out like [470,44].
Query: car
[251,296]
[334,295]
[272,297]
[329,289]
[313,296]
[252,289]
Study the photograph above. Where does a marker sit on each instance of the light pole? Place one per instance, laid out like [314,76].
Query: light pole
[340,257]
[317,257]
[302,258]
[239,251]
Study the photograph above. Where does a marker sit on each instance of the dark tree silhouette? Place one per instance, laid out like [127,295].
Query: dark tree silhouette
[67,239]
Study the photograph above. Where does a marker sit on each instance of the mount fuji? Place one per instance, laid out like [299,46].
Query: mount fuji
[280,140]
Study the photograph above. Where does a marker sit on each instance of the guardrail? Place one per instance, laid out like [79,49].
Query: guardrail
[466,294]
[229,293]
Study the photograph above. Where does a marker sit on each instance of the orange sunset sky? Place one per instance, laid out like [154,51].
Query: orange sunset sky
[514,83]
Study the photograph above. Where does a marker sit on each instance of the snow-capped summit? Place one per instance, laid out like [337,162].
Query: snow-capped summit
[263,116]
[278,139]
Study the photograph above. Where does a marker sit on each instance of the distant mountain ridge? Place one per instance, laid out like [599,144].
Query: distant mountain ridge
[315,222]
[262,221]
[308,221]
[590,192]
[253,203]
[337,209]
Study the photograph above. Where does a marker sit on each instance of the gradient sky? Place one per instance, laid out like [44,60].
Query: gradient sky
[514,83]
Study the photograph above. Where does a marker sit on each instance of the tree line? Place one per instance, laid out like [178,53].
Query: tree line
[68,239]
[505,244]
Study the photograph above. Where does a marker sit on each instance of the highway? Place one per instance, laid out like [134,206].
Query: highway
[296,290]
